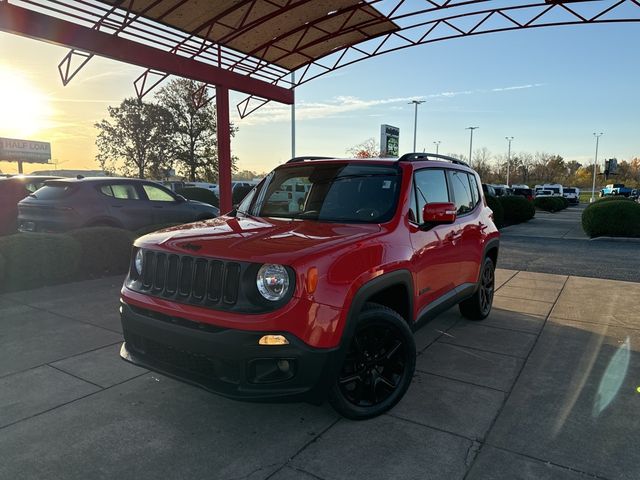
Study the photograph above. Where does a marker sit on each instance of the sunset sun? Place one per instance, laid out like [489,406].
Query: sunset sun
[24,109]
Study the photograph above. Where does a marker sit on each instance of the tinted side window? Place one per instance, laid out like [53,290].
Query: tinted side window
[125,192]
[461,192]
[430,186]
[156,194]
[475,195]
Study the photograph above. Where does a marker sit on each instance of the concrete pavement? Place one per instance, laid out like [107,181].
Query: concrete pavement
[545,388]
[556,243]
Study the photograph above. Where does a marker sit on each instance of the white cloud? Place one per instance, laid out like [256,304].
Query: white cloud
[338,106]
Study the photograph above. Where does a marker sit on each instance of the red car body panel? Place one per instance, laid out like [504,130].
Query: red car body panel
[346,256]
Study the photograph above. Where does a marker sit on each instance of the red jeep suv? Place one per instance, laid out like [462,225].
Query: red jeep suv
[313,286]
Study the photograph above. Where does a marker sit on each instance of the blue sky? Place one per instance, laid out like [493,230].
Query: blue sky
[550,88]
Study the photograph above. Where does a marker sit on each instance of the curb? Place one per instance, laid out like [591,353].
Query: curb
[616,239]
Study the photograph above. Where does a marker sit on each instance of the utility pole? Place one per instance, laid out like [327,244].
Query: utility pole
[415,120]
[509,139]
[437,144]
[595,166]
[471,142]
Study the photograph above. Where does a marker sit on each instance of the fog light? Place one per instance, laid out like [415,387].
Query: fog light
[283,365]
[273,340]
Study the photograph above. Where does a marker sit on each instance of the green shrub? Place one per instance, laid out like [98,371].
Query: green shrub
[610,198]
[551,204]
[2,270]
[498,212]
[103,250]
[517,209]
[153,228]
[614,219]
[37,259]
[200,195]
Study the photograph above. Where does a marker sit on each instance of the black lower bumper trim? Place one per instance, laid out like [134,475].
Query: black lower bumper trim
[228,362]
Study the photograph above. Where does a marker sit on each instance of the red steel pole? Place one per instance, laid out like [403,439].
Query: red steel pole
[224,148]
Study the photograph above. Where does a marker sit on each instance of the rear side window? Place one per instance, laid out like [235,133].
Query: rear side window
[120,191]
[475,194]
[430,187]
[53,191]
[461,192]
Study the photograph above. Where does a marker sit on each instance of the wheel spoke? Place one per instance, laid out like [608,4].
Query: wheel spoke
[385,381]
[393,350]
[349,379]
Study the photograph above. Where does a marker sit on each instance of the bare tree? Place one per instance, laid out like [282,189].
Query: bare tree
[367,149]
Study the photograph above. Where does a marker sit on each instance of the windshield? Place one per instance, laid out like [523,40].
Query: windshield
[570,190]
[347,193]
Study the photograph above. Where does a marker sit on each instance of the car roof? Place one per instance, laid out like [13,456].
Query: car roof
[420,160]
[103,180]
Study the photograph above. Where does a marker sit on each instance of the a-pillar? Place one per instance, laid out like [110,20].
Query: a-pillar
[224,149]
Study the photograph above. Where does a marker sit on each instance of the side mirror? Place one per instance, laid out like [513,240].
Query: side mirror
[181,199]
[440,213]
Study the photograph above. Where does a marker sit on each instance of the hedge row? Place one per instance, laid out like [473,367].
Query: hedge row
[498,212]
[619,218]
[29,260]
[517,209]
[551,204]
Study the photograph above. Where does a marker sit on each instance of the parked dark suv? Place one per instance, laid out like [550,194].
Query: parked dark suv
[127,203]
[304,300]
[12,190]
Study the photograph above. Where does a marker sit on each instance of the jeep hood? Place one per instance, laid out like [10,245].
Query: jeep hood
[254,239]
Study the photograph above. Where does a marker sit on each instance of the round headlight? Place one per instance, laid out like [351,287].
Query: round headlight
[138,261]
[273,282]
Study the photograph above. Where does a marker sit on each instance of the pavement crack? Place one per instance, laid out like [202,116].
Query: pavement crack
[472,452]
[255,470]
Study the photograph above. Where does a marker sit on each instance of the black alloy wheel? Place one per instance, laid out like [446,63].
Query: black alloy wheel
[478,307]
[378,366]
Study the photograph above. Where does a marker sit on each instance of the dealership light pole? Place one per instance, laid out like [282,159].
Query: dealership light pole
[471,141]
[437,144]
[595,166]
[509,139]
[415,120]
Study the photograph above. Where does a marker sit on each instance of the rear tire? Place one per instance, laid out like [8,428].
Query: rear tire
[378,367]
[478,307]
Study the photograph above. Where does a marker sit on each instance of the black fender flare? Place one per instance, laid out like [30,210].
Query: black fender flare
[364,293]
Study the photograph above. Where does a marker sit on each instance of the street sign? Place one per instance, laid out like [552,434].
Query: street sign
[389,141]
[28,151]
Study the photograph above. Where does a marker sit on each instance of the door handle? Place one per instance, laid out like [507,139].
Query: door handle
[157,206]
[117,206]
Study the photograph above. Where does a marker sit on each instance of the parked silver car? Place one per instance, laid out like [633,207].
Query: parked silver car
[127,203]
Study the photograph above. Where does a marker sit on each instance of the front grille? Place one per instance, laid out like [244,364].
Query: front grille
[197,364]
[193,280]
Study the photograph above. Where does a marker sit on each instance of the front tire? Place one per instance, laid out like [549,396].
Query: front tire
[478,307]
[378,367]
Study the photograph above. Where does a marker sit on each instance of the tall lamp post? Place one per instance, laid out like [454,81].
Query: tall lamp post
[595,166]
[509,139]
[415,120]
[437,144]
[471,129]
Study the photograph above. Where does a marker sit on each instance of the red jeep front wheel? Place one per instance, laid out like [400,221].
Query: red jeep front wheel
[378,367]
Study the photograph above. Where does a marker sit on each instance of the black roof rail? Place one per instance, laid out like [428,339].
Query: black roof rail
[302,159]
[418,156]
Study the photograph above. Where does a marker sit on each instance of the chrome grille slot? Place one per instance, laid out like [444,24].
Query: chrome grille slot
[160,273]
[184,284]
[231,283]
[214,288]
[172,276]
[199,283]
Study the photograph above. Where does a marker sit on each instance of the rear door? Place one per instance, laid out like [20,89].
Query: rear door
[466,234]
[165,207]
[124,202]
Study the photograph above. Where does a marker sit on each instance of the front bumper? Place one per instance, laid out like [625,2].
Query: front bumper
[226,361]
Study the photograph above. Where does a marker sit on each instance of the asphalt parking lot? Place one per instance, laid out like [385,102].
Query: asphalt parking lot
[546,388]
[556,243]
